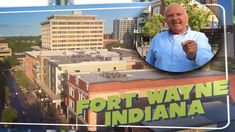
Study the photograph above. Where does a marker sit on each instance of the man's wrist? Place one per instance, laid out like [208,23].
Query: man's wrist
[192,57]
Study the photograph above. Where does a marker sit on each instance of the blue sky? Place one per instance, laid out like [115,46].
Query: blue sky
[17,24]
[23,24]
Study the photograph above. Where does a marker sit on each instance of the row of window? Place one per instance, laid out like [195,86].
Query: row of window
[68,32]
[75,36]
[74,18]
[81,96]
[5,52]
[77,27]
[75,45]
[76,40]
[77,23]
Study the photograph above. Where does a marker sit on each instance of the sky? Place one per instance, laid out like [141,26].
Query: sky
[17,3]
[25,24]
[20,3]
[100,1]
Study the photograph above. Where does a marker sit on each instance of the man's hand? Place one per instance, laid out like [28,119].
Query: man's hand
[190,48]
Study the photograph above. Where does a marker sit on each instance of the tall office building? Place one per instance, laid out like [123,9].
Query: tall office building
[73,31]
[123,29]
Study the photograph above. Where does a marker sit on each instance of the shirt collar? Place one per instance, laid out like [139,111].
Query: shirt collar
[187,30]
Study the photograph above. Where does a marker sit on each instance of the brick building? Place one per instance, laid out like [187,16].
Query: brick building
[90,86]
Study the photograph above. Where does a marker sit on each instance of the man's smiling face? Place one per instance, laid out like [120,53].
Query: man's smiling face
[176,19]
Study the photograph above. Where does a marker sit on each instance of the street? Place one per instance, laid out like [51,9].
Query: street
[27,106]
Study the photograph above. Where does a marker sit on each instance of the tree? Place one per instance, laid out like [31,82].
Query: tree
[183,2]
[9,115]
[11,60]
[7,95]
[154,26]
[198,17]
[5,92]
[22,43]
[22,79]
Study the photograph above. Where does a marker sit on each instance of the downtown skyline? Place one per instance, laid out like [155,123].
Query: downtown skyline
[28,24]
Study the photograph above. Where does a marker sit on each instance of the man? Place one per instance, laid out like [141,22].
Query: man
[178,49]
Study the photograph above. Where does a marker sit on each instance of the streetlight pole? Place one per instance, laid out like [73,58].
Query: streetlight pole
[212,28]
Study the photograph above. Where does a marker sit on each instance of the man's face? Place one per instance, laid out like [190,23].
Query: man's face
[176,19]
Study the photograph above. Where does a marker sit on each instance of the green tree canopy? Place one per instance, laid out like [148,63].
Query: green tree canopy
[7,95]
[198,17]
[3,88]
[9,114]
[154,26]
[183,2]
[22,79]
[22,43]
[11,60]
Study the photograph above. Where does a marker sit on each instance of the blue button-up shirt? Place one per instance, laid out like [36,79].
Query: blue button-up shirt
[166,51]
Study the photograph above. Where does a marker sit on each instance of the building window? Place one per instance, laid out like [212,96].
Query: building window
[83,97]
[71,104]
[71,92]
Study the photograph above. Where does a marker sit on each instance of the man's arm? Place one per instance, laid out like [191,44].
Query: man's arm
[204,52]
[150,58]
[198,51]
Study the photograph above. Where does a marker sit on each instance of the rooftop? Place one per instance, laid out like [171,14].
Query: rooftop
[47,53]
[92,17]
[87,55]
[72,17]
[4,46]
[134,75]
